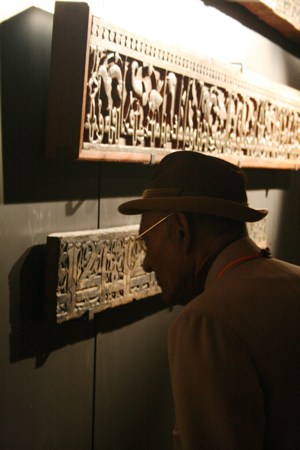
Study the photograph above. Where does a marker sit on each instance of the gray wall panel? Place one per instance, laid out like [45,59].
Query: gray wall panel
[119,183]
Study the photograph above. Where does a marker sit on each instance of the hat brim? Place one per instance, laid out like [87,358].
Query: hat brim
[202,205]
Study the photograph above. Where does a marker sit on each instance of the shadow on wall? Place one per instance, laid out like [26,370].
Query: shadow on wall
[34,331]
[249,20]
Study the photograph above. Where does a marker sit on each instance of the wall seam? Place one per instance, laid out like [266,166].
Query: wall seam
[95,326]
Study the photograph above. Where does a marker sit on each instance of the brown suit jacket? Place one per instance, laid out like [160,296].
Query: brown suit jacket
[234,356]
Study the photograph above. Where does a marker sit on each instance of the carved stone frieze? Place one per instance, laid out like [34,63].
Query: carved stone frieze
[96,270]
[144,96]
[284,15]
[91,271]
[143,99]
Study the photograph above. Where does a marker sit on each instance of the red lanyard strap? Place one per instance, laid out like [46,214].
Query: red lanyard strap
[264,254]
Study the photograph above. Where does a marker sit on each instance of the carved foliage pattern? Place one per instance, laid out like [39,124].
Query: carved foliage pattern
[98,273]
[289,9]
[134,103]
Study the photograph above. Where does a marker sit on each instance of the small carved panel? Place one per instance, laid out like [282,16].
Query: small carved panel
[91,271]
[258,232]
[284,15]
[142,99]
[96,270]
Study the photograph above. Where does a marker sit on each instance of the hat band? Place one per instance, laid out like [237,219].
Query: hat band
[153,193]
[149,193]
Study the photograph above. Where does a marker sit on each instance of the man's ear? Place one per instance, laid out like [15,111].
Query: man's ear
[184,231]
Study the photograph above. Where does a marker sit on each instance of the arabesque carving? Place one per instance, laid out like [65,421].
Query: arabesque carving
[94,270]
[135,103]
[97,270]
[143,99]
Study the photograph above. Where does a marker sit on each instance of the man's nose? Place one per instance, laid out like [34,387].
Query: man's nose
[146,264]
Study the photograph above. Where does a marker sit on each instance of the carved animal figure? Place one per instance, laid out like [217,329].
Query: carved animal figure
[171,84]
[139,86]
[107,72]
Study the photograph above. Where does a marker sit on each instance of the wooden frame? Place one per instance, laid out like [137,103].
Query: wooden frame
[117,96]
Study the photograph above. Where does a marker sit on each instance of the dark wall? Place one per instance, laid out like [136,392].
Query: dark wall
[101,384]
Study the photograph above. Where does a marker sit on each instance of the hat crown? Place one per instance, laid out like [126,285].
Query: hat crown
[193,182]
[197,175]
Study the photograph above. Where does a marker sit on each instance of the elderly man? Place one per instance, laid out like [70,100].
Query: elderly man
[234,350]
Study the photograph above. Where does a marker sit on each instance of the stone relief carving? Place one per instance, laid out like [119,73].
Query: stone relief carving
[97,270]
[284,15]
[289,9]
[94,270]
[137,100]
[146,97]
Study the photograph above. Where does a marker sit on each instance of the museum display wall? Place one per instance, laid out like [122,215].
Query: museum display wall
[102,382]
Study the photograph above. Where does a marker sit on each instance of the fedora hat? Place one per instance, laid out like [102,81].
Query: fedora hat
[186,181]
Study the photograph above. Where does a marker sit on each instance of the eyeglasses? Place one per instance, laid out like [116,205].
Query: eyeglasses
[140,240]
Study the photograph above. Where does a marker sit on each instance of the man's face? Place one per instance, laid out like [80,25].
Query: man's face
[164,256]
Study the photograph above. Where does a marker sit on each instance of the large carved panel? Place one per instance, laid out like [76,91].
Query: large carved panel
[118,96]
[284,15]
[90,271]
